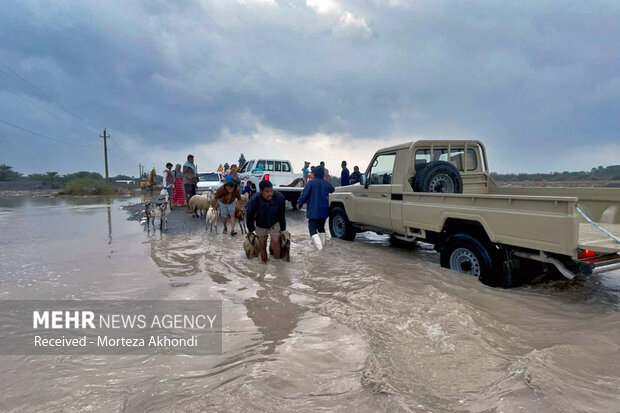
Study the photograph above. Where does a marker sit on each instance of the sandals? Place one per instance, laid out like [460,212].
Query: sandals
[232,234]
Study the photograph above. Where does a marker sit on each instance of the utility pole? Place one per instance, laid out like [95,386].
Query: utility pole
[105,154]
[140,173]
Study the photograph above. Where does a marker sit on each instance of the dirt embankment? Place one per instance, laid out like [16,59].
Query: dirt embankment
[598,183]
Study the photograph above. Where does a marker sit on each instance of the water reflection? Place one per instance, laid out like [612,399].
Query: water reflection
[273,313]
[109,211]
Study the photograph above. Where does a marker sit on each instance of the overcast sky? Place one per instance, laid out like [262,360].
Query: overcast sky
[537,81]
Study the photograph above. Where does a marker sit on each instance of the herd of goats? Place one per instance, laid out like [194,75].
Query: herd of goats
[206,205]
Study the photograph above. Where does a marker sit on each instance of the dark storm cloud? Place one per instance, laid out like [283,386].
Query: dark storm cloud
[515,74]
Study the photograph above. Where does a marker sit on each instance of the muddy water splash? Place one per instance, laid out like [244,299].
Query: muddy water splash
[361,326]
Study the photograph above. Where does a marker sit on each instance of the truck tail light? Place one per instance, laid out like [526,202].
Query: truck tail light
[586,254]
[266,177]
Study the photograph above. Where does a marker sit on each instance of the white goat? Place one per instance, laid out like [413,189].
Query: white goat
[157,210]
[245,198]
[211,219]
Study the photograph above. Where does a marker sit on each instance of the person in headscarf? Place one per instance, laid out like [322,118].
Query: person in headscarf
[178,194]
[234,173]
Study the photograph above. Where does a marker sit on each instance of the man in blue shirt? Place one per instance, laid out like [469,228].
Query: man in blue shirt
[344,175]
[316,195]
[306,171]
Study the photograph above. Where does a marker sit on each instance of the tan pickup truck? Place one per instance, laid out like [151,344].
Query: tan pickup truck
[441,192]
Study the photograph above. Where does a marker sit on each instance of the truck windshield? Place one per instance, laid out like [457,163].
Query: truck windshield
[208,177]
[247,167]
[381,170]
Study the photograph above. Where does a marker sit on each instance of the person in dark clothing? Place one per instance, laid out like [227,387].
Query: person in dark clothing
[344,175]
[325,170]
[190,179]
[265,216]
[316,195]
[356,176]
[247,189]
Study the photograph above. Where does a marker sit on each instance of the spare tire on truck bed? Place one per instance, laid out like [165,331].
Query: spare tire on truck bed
[438,176]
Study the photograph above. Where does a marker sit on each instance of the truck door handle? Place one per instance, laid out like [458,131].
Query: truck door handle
[383,195]
[363,196]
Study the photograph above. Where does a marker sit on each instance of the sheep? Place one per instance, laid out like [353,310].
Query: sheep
[157,210]
[200,202]
[251,245]
[211,219]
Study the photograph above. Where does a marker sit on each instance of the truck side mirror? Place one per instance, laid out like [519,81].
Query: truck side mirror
[365,181]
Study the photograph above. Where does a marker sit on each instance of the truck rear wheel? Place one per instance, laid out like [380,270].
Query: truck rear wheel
[438,176]
[339,225]
[465,254]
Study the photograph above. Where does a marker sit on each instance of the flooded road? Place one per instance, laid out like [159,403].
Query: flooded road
[361,326]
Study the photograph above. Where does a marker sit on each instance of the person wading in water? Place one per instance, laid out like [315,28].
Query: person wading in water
[316,195]
[265,216]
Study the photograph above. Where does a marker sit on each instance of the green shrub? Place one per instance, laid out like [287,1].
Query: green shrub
[88,186]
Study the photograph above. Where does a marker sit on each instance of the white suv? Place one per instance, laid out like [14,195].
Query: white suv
[209,181]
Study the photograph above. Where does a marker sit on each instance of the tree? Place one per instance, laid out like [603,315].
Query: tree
[241,160]
[50,179]
[8,174]
[37,177]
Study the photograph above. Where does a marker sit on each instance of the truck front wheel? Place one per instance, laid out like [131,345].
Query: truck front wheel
[465,254]
[339,225]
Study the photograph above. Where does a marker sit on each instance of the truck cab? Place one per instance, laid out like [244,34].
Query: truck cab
[377,200]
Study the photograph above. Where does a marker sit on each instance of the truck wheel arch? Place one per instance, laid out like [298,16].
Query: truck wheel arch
[474,227]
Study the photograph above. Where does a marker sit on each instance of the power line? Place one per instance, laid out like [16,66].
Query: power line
[121,152]
[24,82]
[45,136]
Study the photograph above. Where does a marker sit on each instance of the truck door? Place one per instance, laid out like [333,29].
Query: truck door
[372,203]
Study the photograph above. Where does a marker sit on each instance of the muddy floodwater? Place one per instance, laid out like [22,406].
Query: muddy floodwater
[360,327]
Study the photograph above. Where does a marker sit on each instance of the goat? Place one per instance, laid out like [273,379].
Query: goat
[157,210]
[251,245]
[211,219]
[243,202]
[285,246]
[240,216]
